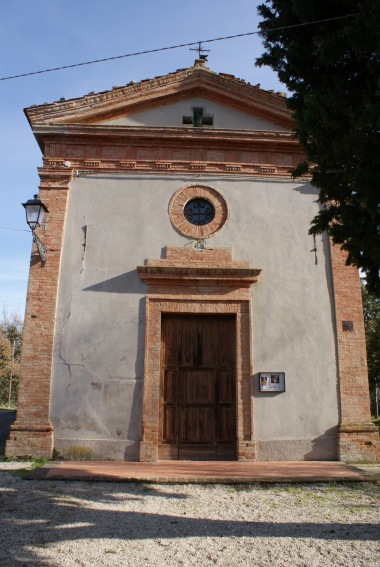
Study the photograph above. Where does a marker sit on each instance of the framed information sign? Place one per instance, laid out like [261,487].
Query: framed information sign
[272,381]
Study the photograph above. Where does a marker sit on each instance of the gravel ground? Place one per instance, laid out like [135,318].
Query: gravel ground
[55,523]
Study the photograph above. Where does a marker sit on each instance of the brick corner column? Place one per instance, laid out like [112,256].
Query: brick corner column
[32,433]
[358,438]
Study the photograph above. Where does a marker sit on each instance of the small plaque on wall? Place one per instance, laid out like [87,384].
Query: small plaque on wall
[272,381]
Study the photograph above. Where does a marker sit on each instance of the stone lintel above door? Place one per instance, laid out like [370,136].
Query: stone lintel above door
[191,267]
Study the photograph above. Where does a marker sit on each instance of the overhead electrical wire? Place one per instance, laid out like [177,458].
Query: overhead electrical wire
[17,229]
[174,47]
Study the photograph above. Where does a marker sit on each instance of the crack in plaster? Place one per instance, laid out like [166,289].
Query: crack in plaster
[84,244]
[62,358]
[68,366]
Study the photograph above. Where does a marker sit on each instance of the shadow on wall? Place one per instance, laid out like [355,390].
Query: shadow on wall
[321,448]
[307,189]
[125,283]
[325,446]
[330,286]
[130,282]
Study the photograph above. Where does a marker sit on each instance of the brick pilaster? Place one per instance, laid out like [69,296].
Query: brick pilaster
[358,437]
[32,432]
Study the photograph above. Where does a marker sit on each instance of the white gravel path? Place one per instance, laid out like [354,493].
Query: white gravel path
[55,523]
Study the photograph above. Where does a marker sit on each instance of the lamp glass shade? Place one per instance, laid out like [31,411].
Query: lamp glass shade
[35,212]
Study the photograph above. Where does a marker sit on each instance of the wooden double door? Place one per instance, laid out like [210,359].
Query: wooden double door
[198,390]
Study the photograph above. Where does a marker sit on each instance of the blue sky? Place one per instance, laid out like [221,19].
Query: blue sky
[40,34]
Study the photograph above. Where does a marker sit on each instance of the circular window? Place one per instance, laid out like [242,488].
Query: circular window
[198,211]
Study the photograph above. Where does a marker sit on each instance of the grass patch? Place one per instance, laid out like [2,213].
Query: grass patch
[38,463]
[35,464]
[4,459]
[239,488]
[292,489]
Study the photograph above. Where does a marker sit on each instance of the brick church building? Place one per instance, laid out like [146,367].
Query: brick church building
[183,311]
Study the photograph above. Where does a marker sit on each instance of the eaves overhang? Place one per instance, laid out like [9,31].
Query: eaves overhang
[80,133]
[184,84]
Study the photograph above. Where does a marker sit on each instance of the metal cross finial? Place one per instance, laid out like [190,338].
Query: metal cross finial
[200,50]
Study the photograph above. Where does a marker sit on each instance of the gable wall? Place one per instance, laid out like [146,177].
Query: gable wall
[171,115]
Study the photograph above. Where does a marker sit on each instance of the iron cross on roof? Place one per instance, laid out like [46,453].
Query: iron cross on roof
[201,51]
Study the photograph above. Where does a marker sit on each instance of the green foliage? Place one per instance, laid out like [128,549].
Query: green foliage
[333,70]
[371,307]
[10,354]
[33,465]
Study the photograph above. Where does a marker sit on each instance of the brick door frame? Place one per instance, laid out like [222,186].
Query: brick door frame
[198,282]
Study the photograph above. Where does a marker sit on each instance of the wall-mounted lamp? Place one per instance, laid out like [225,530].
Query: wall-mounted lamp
[35,214]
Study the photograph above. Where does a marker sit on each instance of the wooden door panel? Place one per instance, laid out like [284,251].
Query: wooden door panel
[226,425]
[171,339]
[209,334]
[168,452]
[188,350]
[226,339]
[198,399]
[226,387]
[225,452]
[197,425]
[170,424]
[197,387]
[171,386]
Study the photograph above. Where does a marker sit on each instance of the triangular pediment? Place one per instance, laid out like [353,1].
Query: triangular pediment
[180,114]
[138,100]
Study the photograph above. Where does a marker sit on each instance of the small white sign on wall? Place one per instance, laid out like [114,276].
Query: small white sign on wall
[272,381]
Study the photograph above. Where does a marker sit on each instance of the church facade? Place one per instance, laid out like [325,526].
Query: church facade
[183,311]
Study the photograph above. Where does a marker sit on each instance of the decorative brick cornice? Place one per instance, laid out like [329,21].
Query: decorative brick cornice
[160,150]
[78,131]
[53,178]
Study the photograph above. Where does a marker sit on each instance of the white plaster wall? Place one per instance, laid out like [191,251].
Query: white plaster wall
[172,114]
[99,346]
